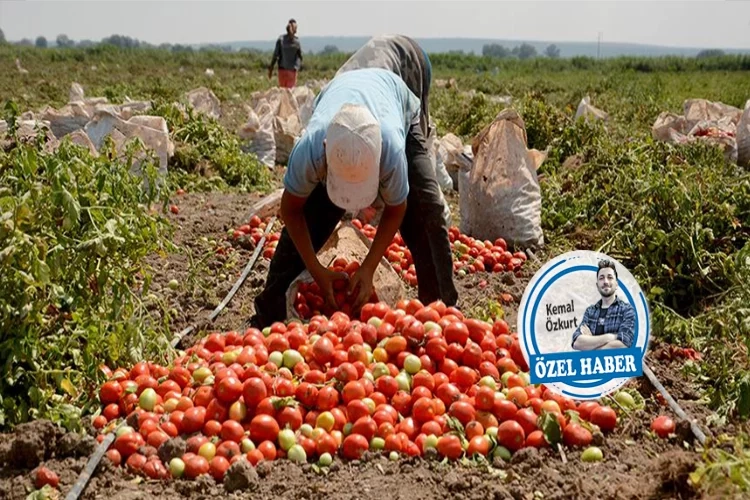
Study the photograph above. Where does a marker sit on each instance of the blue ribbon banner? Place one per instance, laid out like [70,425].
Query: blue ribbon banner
[600,364]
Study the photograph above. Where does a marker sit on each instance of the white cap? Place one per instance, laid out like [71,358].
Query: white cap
[353,145]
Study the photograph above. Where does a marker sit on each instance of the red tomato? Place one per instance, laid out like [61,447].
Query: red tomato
[575,435]
[605,417]
[478,445]
[253,392]
[536,440]
[423,410]
[462,411]
[328,398]
[127,444]
[110,392]
[229,390]
[527,418]
[228,450]
[135,462]
[510,434]
[218,467]
[215,342]
[264,428]
[485,398]
[114,456]
[232,431]
[663,426]
[449,446]
[290,417]
[45,476]
[366,427]
[326,444]
[216,410]
[584,409]
[255,456]
[456,332]
[268,449]
[353,390]
[196,466]
[354,446]
[357,409]
[157,438]
[323,350]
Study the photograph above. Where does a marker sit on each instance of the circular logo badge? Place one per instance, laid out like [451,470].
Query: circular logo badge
[583,325]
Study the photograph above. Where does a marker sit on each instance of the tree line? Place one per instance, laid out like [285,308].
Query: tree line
[523,51]
[491,50]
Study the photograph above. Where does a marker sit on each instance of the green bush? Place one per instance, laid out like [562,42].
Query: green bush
[205,148]
[73,231]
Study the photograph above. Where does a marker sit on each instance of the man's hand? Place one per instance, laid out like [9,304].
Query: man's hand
[292,213]
[325,279]
[585,330]
[361,282]
[270,73]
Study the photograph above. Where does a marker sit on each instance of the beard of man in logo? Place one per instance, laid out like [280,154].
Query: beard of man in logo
[606,282]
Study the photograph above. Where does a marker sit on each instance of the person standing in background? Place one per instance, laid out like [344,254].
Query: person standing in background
[288,54]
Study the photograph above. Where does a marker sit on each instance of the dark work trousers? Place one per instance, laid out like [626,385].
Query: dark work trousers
[423,229]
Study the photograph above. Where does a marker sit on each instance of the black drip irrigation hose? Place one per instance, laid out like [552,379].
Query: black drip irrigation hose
[109,438]
[93,463]
[240,281]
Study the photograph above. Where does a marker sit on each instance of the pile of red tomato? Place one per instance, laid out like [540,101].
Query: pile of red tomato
[253,231]
[410,380]
[309,301]
[470,255]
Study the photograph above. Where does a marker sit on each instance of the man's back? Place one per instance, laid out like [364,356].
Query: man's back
[288,49]
[397,53]
[387,97]
[392,104]
[401,55]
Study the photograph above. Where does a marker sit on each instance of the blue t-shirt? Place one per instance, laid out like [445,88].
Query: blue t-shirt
[392,104]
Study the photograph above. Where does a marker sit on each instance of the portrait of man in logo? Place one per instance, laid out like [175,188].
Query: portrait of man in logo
[608,323]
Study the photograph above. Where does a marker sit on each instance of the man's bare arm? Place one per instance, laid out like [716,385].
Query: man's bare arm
[615,344]
[591,342]
[292,213]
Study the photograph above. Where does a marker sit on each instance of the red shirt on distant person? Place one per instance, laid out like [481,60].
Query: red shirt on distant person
[288,54]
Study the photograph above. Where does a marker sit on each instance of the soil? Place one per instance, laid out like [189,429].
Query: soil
[636,464]
[207,264]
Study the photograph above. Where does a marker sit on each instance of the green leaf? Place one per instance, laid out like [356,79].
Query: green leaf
[41,271]
[280,403]
[72,209]
[6,253]
[111,226]
[46,493]
[68,387]
[550,427]
[696,476]
[573,416]
[26,277]
[455,425]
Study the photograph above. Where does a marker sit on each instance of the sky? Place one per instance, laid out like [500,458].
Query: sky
[702,24]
